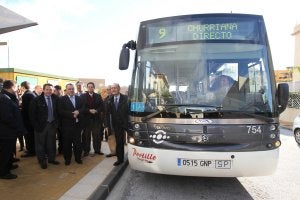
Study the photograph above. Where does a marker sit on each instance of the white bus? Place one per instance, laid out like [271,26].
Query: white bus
[203,98]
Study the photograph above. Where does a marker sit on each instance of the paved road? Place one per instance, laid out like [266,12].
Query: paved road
[283,184]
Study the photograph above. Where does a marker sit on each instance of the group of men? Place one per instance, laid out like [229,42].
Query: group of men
[72,118]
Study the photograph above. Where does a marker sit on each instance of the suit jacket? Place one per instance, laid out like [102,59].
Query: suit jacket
[107,115]
[65,109]
[11,123]
[119,116]
[97,105]
[39,112]
[27,97]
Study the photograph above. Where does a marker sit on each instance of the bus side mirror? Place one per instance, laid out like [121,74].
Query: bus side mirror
[283,96]
[124,58]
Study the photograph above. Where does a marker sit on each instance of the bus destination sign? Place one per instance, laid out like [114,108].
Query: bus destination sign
[245,30]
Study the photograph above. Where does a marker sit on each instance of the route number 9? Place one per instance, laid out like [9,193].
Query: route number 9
[162,33]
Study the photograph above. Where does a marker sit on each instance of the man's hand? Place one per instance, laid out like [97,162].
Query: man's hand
[93,111]
[75,113]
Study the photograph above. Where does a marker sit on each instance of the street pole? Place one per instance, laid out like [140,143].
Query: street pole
[2,44]
[8,56]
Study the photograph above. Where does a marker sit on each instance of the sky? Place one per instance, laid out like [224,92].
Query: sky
[83,38]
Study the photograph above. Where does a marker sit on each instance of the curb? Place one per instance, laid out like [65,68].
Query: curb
[103,190]
[287,127]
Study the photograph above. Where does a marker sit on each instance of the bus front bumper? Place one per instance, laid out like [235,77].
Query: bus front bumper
[209,164]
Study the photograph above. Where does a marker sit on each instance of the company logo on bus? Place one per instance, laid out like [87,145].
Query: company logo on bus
[161,127]
[203,121]
[159,136]
[142,156]
[200,138]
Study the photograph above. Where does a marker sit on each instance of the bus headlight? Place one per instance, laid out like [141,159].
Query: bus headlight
[272,135]
[277,143]
[131,140]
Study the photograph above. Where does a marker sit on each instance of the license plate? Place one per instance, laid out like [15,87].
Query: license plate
[218,164]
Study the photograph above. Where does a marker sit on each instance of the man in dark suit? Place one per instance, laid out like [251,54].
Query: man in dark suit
[79,88]
[44,117]
[58,92]
[109,135]
[1,83]
[118,108]
[37,90]
[70,107]
[93,114]
[11,126]
[27,97]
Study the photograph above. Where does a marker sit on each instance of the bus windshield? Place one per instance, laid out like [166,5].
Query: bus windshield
[202,66]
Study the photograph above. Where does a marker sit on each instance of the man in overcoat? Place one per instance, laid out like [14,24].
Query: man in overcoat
[11,126]
[118,108]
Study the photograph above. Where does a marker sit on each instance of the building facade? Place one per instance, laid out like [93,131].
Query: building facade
[34,78]
[296,35]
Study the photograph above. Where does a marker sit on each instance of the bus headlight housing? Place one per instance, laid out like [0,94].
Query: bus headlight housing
[272,135]
[137,126]
[136,134]
[274,145]
[273,127]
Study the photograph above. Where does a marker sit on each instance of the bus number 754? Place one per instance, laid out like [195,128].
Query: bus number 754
[254,129]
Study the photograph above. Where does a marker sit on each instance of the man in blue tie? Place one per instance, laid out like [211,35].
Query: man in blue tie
[44,117]
[118,109]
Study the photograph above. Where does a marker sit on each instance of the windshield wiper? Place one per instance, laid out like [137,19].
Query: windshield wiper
[264,118]
[166,107]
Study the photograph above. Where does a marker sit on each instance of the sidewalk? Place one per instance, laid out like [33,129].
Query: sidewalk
[62,182]
[286,125]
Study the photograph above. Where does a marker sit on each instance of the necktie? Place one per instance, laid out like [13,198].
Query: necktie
[73,100]
[50,110]
[116,103]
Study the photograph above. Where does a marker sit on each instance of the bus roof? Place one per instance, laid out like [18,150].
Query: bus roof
[192,16]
